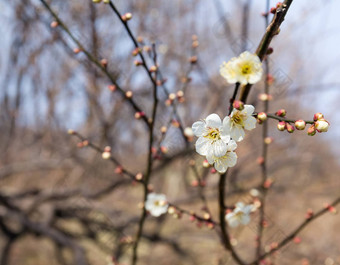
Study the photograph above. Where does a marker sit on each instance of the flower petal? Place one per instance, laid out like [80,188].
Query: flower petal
[237,134]
[248,109]
[213,121]
[203,145]
[219,148]
[250,123]
[245,219]
[198,128]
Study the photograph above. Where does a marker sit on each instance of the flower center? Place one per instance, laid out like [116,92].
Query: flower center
[213,134]
[239,215]
[237,119]
[159,203]
[246,69]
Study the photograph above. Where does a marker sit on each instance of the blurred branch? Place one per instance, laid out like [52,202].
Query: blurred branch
[96,62]
[293,234]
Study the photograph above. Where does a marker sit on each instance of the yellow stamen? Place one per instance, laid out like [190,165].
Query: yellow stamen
[213,134]
[238,119]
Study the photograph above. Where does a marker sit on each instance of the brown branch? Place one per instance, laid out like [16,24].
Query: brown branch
[271,31]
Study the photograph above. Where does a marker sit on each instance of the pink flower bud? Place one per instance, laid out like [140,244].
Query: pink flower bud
[321,125]
[270,79]
[136,51]
[281,113]
[262,116]
[300,124]
[311,130]
[290,128]
[54,24]
[239,105]
[318,116]
[281,126]
[126,17]
[206,163]
[112,87]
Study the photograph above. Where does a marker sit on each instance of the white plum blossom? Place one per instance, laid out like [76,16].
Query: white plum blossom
[245,69]
[212,137]
[239,120]
[240,215]
[156,204]
[229,159]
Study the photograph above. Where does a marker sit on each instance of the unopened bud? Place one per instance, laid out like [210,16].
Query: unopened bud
[195,44]
[126,17]
[136,51]
[139,114]
[193,59]
[180,94]
[213,170]
[139,176]
[76,50]
[163,129]
[119,170]
[138,63]
[281,126]
[164,149]
[106,155]
[96,1]
[270,50]
[103,62]
[270,79]
[311,130]
[239,105]
[54,24]
[106,1]
[112,88]
[128,94]
[172,96]
[70,131]
[188,133]
[262,116]
[300,124]
[318,116]
[206,163]
[153,69]
[273,10]
[281,113]
[175,123]
[265,97]
[290,128]
[268,140]
[321,125]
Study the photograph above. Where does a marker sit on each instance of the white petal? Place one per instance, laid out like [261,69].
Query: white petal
[250,123]
[226,126]
[233,221]
[220,166]
[237,134]
[245,219]
[213,121]
[232,145]
[247,209]
[219,148]
[203,145]
[239,205]
[230,160]
[248,109]
[211,158]
[198,128]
